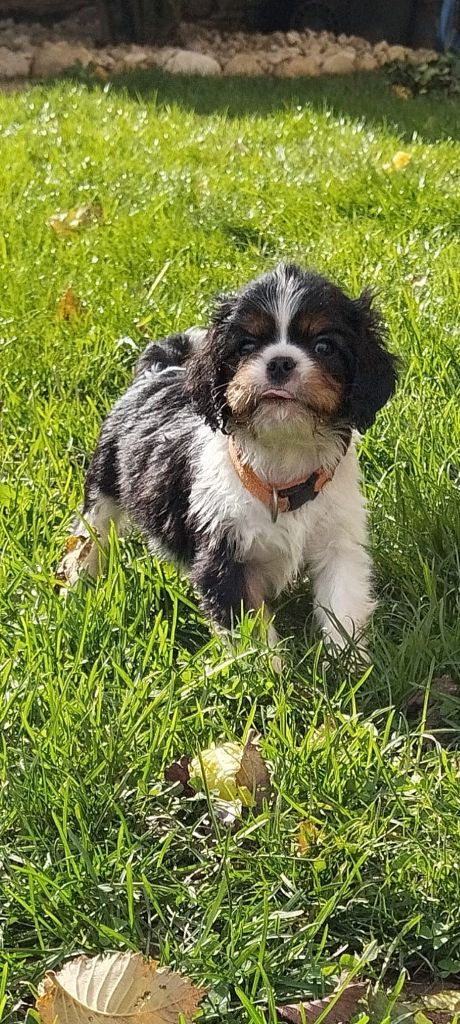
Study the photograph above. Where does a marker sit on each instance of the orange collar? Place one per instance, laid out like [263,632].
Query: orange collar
[278,497]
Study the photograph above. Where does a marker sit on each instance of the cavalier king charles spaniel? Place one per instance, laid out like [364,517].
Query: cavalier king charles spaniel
[233,451]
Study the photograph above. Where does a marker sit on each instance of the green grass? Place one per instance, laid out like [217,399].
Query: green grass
[204,184]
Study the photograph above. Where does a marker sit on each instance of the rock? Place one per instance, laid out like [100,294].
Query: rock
[14,65]
[380,51]
[277,57]
[52,58]
[187,62]
[105,60]
[163,55]
[396,53]
[339,63]
[299,67]
[367,62]
[137,57]
[421,56]
[23,43]
[243,64]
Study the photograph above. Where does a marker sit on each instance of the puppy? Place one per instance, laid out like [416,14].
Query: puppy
[233,451]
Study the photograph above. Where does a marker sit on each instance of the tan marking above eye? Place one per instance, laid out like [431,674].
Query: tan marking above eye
[257,323]
[312,324]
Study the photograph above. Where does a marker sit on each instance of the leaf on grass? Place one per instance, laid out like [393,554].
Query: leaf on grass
[252,776]
[445,999]
[342,1009]
[399,161]
[69,305]
[417,1004]
[233,772]
[77,552]
[69,221]
[123,988]
[179,772]
[306,837]
[100,72]
[402,92]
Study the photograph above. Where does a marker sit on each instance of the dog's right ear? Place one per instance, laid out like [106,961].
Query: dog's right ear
[208,372]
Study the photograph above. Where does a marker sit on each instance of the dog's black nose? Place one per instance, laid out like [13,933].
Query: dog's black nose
[280,368]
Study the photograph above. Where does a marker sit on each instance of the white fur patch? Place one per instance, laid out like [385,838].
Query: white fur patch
[326,536]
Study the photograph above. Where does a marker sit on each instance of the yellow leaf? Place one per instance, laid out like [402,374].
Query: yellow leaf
[306,836]
[69,221]
[399,161]
[77,555]
[446,999]
[101,73]
[69,305]
[218,766]
[401,91]
[233,772]
[119,989]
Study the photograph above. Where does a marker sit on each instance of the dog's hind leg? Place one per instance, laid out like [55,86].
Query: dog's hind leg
[86,548]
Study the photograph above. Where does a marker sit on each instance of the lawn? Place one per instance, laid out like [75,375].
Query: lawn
[202,185]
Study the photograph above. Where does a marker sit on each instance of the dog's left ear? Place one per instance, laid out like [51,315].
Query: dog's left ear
[208,373]
[202,381]
[375,368]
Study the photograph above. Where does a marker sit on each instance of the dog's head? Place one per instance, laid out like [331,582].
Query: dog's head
[291,347]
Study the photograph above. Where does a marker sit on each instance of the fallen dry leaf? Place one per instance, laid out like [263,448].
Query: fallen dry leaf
[233,772]
[69,221]
[123,988]
[252,775]
[100,72]
[217,766]
[399,161]
[418,1003]
[69,305]
[344,1007]
[306,836]
[179,771]
[77,555]
[402,92]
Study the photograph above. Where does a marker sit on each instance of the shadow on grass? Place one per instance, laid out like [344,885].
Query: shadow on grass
[361,96]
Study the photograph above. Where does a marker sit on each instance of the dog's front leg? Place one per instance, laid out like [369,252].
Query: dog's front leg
[341,574]
[220,579]
[229,587]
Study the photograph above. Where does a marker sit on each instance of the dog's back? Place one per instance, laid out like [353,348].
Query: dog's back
[171,351]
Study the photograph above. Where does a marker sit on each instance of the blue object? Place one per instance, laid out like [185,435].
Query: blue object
[449,25]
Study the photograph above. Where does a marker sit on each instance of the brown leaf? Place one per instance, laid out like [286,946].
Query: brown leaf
[69,305]
[69,221]
[253,773]
[78,551]
[119,989]
[178,771]
[438,1002]
[341,1010]
[100,72]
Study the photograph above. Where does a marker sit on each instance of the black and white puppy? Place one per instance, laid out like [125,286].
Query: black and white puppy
[233,450]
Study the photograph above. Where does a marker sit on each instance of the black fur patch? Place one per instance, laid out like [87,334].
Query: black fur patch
[219,577]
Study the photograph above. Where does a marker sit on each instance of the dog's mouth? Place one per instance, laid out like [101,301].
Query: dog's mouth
[278,395]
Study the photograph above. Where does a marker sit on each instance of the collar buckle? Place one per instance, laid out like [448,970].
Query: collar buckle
[274,505]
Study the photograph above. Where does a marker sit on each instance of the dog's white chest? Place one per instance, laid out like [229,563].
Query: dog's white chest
[221,503]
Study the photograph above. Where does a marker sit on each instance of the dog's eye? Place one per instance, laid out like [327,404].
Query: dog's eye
[247,347]
[323,347]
